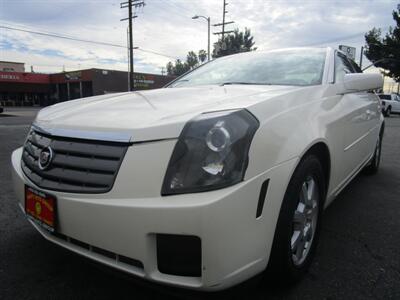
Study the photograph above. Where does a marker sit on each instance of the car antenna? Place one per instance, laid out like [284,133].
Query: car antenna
[378,61]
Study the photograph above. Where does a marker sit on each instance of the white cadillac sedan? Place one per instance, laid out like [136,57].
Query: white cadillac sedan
[203,184]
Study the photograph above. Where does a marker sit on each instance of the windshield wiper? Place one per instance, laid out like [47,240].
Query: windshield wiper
[181,80]
[240,82]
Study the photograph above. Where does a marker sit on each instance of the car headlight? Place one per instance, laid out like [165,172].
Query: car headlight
[211,152]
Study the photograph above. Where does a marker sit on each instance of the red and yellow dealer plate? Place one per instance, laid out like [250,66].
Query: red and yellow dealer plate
[41,208]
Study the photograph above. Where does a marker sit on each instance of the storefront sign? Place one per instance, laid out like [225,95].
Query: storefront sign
[73,75]
[24,77]
[143,81]
[10,77]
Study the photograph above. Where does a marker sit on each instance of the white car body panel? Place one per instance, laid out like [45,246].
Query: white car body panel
[155,116]
[235,244]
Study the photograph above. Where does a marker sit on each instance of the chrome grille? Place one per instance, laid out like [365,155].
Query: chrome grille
[78,165]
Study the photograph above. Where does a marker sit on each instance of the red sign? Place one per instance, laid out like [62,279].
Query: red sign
[41,208]
[24,77]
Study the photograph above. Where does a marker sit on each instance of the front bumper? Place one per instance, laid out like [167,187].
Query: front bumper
[235,245]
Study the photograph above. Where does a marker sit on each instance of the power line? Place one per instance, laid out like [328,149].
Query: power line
[338,39]
[61,36]
[174,11]
[175,6]
[181,7]
[157,53]
[37,29]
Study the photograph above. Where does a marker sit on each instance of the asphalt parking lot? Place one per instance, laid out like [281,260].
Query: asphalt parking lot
[358,255]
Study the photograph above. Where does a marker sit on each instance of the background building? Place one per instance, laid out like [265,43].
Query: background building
[390,86]
[9,66]
[84,83]
[25,89]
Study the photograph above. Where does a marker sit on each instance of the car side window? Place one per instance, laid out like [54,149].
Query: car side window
[342,67]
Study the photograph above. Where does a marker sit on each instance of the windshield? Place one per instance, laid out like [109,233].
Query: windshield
[300,67]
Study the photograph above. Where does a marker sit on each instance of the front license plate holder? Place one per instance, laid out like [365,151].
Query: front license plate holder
[41,208]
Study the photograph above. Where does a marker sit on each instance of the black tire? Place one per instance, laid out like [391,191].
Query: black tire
[373,167]
[388,112]
[281,267]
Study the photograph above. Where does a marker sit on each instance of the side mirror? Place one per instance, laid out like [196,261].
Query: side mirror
[358,82]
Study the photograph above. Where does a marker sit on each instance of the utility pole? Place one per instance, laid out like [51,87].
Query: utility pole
[223,31]
[224,12]
[129,4]
[361,56]
[162,70]
[223,19]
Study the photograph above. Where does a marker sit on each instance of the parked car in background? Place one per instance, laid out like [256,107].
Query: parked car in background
[221,175]
[390,104]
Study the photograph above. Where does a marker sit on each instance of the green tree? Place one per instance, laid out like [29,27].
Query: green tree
[178,68]
[384,51]
[202,56]
[170,68]
[237,42]
[192,60]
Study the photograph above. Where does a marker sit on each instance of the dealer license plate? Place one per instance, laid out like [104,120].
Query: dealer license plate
[41,208]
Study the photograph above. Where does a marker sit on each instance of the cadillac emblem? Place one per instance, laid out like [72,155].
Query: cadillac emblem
[45,158]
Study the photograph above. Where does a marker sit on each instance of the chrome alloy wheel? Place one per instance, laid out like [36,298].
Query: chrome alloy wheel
[305,221]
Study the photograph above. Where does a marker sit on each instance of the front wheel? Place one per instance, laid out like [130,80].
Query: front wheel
[298,227]
[388,112]
[373,166]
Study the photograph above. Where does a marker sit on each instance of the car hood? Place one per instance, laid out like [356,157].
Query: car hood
[148,115]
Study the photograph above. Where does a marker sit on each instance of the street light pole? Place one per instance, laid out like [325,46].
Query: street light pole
[129,63]
[209,32]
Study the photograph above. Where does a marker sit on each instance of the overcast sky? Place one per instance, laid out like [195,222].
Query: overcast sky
[166,27]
